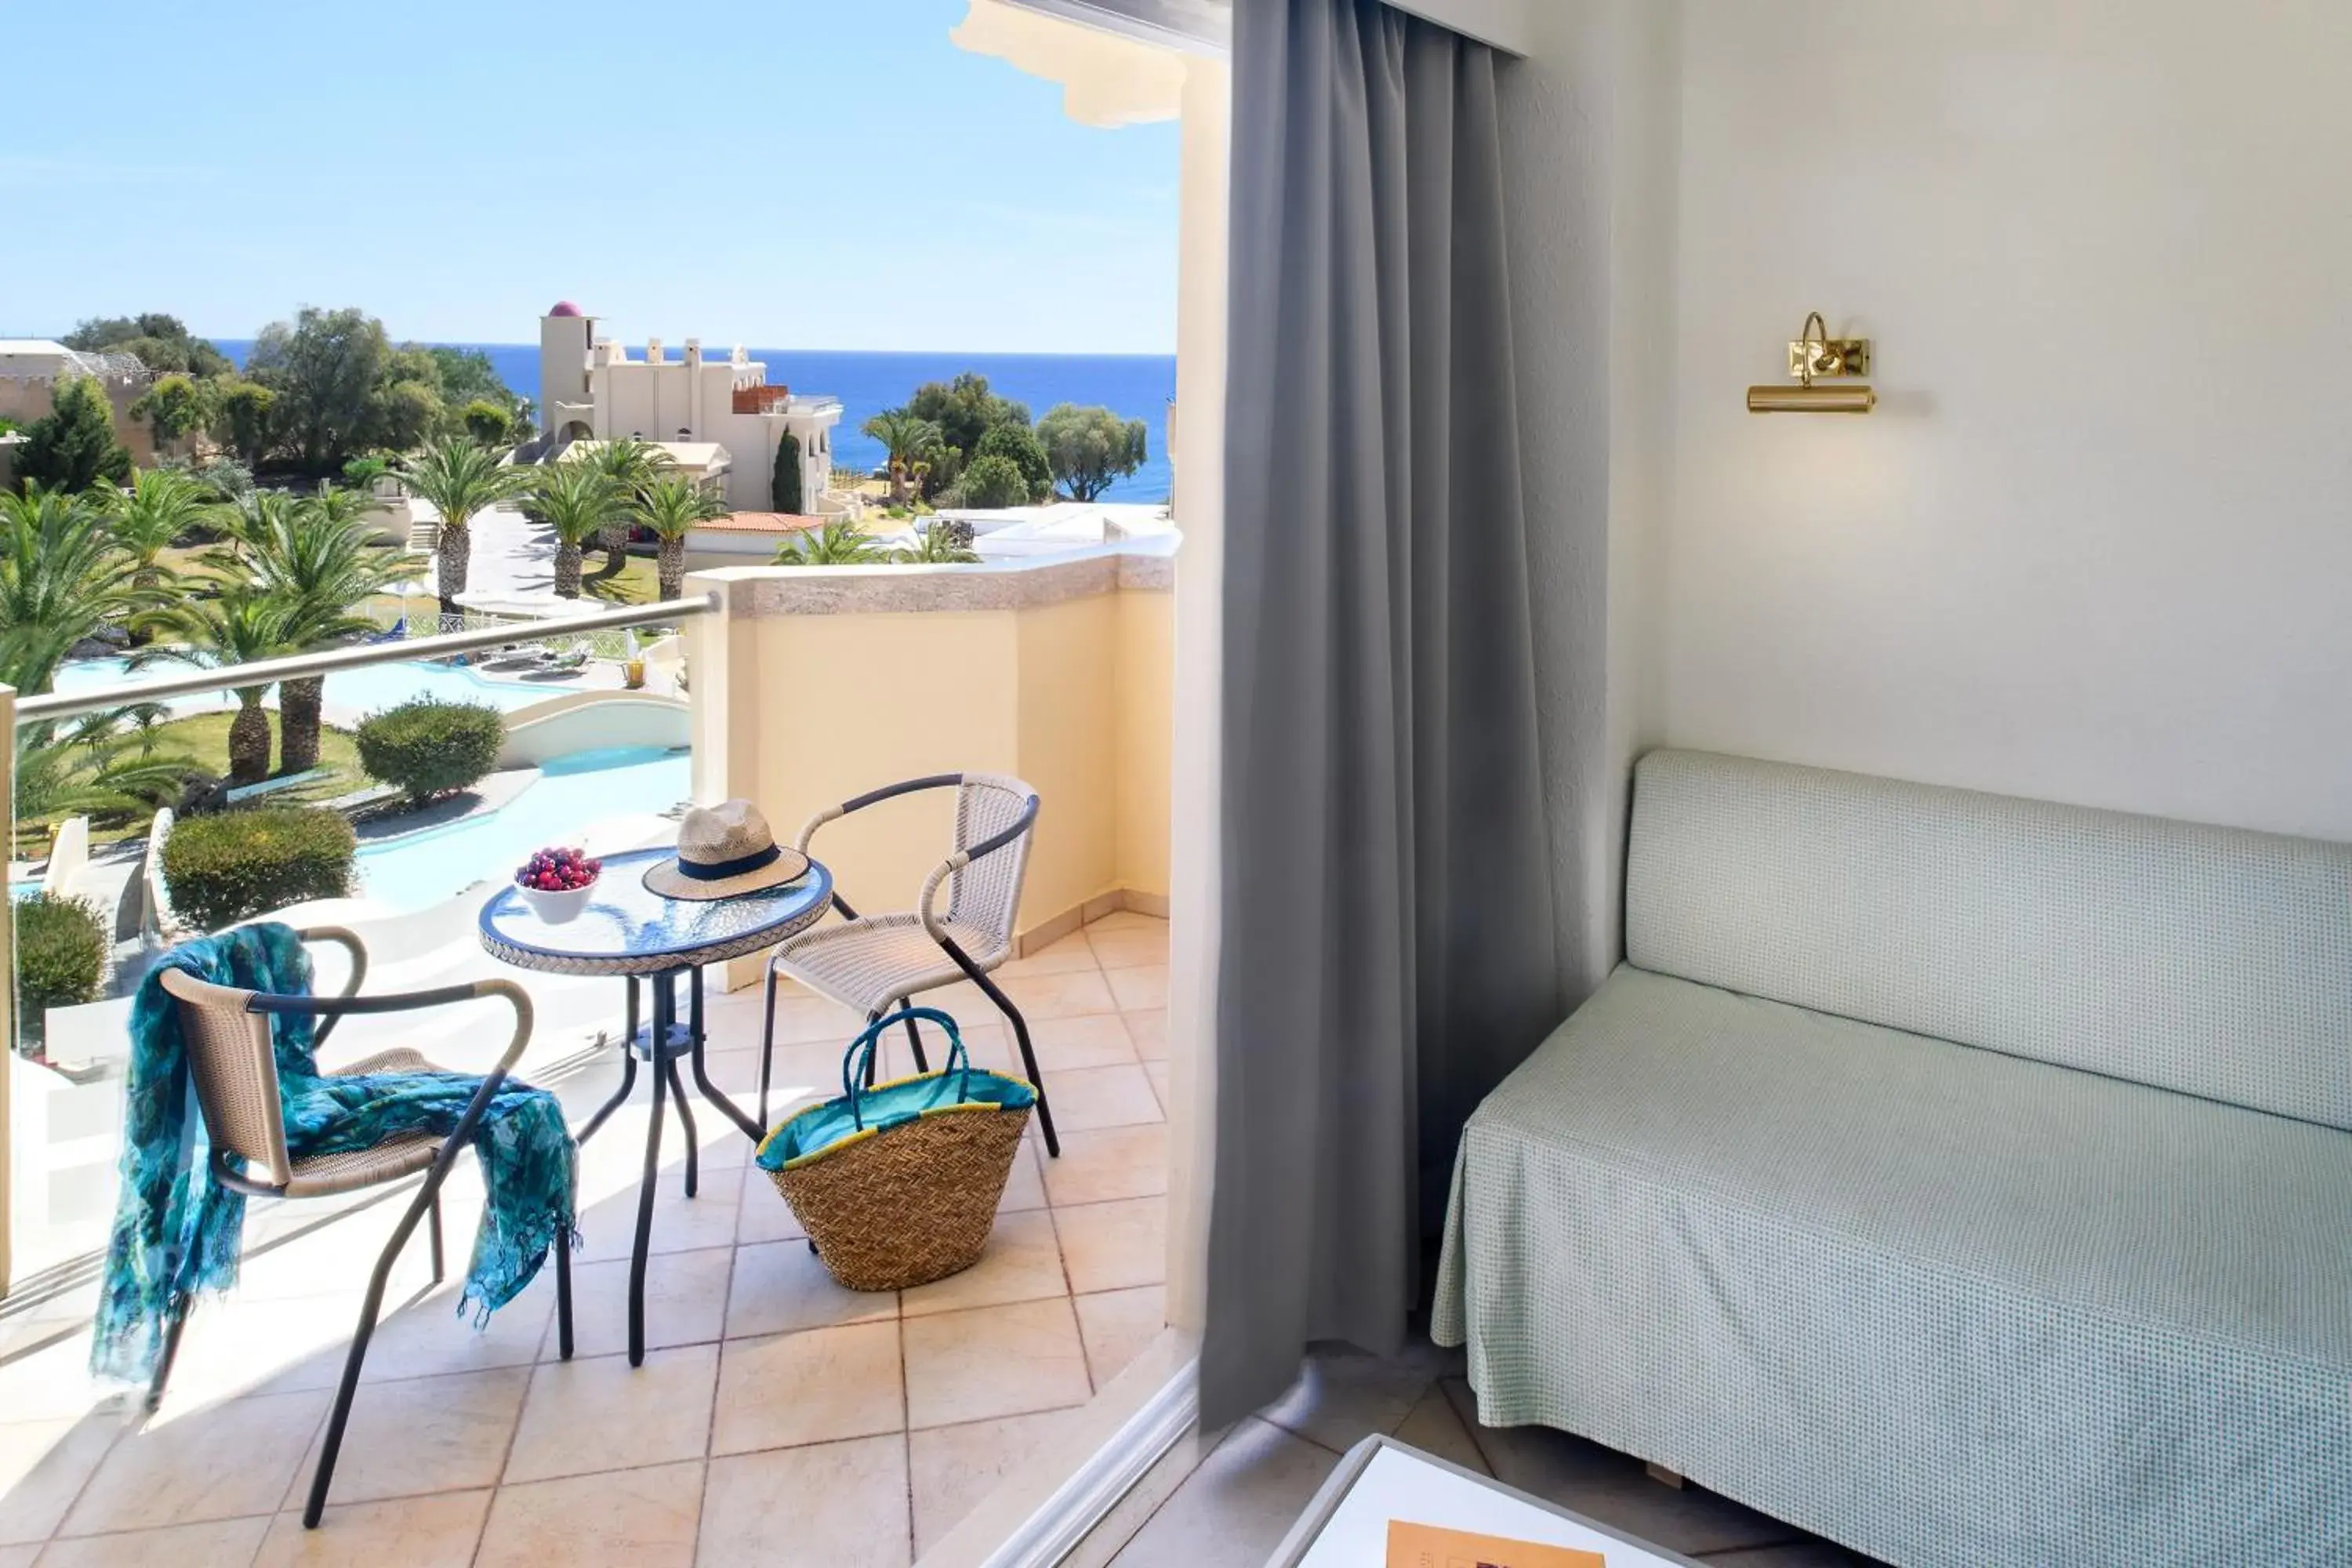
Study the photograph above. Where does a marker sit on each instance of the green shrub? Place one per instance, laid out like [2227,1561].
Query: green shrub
[995,481]
[234,865]
[486,422]
[61,948]
[428,748]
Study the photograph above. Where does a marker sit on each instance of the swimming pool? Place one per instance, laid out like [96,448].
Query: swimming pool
[416,870]
[348,692]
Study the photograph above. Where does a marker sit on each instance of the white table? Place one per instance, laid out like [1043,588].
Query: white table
[1347,1525]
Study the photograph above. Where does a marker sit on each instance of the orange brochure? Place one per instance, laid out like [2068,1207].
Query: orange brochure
[1427,1546]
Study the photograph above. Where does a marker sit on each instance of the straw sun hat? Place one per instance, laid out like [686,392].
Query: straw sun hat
[723,850]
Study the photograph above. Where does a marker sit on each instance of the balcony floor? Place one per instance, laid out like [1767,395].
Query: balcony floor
[777,1417]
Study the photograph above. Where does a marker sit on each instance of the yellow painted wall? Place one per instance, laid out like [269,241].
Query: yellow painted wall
[800,711]
[1144,716]
[1068,751]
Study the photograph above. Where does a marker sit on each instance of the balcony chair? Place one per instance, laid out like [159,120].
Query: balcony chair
[235,1071]
[876,963]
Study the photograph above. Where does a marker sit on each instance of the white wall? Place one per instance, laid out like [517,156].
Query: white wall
[2096,543]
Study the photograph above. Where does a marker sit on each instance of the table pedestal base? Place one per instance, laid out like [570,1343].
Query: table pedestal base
[677,1042]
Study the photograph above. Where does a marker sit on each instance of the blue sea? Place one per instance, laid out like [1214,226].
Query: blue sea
[1135,386]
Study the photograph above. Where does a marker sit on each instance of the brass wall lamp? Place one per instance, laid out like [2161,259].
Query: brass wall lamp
[1814,356]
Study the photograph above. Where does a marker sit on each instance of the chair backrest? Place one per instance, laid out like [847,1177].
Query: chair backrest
[2211,961]
[233,1066]
[986,894]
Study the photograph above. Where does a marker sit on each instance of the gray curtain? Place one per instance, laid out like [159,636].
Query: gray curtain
[1387,947]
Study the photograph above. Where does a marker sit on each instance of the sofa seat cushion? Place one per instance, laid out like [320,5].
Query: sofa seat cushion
[1991,1279]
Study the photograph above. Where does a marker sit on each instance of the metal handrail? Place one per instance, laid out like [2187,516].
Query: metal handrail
[294,667]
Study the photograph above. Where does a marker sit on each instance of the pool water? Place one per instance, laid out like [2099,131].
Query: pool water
[572,793]
[348,692]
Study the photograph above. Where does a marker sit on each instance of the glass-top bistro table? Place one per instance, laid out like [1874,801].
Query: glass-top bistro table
[631,931]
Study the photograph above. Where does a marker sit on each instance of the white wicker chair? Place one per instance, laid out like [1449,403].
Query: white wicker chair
[878,963]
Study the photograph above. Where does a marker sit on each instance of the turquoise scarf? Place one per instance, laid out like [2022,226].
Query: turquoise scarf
[177,1229]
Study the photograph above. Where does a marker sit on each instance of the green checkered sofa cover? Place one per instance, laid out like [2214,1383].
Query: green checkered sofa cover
[1966,1179]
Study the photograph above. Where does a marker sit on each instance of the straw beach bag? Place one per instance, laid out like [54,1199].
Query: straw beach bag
[897,1185]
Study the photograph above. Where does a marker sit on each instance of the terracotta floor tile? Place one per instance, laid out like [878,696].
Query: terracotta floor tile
[1022,1263]
[608,1225]
[223,1543]
[1432,1427]
[602,1414]
[222,1462]
[1059,995]
[1072,954]
[430,1337]
[1025,1186]
[1102,1097]
[1089,1040]
[840,1504]
[686,1301]
[817,1386]
[1129,948]
[765,1216]
[1139,989]
[1162,1085]
[1117,1324]
[411,1533]
[1148,1028]
[1112,1247]
[952,1468]
[1104,1164]
[623,1519]
[423,1435]
[993,1362]
[1343,1397]
[1126,919]
[780,1287]
[43,1467]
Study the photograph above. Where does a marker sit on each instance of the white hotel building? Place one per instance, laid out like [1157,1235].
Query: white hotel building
[590,389]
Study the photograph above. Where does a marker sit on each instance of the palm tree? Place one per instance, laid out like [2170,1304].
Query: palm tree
[670,507]
[315,555]
[63,577]
[459,477]
[243,623]
[92,767]
[837,544]
[944,543]
[576,501]
[161,507]
[630,465]
[909,440]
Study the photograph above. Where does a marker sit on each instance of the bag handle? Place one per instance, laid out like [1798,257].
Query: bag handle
[853,1061]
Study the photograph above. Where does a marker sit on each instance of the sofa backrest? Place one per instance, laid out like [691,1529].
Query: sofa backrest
[2207,960]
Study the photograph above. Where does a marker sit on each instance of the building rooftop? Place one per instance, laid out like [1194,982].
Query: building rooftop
[764,523]
[565,308]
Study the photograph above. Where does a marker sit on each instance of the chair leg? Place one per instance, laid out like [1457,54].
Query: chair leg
[1028,1060]
[563,1294]
[874,1056]
[915,1038]
[336,1418]
[433,1219]
[170,1353]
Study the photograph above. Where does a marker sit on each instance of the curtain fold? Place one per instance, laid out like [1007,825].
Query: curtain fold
[1387,947]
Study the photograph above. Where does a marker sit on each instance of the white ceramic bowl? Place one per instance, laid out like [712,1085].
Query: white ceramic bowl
[557,908]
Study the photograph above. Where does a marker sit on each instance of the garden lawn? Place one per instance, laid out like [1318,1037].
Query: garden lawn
[204,737]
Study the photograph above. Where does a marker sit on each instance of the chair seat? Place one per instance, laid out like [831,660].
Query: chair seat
[870,963]
[321,1175]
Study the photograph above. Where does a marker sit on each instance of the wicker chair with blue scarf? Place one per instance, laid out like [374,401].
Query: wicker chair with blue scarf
[233,1068]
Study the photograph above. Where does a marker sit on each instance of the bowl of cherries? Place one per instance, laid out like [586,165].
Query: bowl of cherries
[558,883]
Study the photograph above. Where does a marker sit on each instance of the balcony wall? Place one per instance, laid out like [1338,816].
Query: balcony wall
[812,685]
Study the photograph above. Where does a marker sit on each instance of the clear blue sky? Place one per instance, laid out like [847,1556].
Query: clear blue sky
[789,173]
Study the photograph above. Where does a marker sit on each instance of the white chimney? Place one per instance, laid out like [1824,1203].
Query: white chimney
[653,350]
